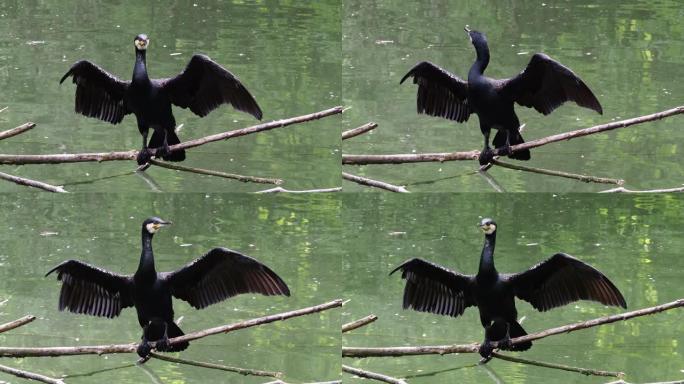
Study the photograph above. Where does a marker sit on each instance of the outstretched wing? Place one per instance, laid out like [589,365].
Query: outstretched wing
[99,94]
[562,279]
[440,93]
[546,84]
[221,274]
[92,290]
[204,85]
[433,288]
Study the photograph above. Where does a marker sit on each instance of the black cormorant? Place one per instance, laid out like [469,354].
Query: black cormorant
[214,277]
[202,86]
[544,85]
[559,280]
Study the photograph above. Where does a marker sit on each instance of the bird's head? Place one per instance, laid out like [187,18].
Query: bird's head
[488,226]
[476,38]
[141,42]
[153,224]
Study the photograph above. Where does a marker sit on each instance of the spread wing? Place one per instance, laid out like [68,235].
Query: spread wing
[204,85]
[546,84]
[563,279]
[92,290]
[221,274]
[433,288]
[440,93]
[99,94]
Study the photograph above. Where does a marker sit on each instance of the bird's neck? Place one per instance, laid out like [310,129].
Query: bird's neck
[487,257]
[480,64]
[140,68]
[146,266]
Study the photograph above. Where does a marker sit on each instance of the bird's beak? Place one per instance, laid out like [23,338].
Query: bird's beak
[467,29]
[165,223]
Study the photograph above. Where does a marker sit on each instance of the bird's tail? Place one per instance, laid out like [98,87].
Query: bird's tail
[174,331]
[516,138]
[157,140]
[516,330]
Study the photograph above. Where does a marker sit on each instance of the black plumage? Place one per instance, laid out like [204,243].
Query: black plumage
[544,85]
[214,277]
[557,281]
[202,87]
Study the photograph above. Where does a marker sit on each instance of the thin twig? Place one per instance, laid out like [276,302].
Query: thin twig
[625,190]
[129,348]
[32,183]
[584,371]
[358,323]
[584,178]
[16,323]
[359,131]
[242,178]
[473,155]
[131,155]
[360,352]
[18,130]
[242,371]
[371,375]
[283,190]
[30,375]
[373,183]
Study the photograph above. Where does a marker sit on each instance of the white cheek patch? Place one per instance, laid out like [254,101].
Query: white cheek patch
[150,228]
[490,229]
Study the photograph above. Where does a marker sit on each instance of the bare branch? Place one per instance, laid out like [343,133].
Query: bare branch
[32,183]
[16,131]
[131,155]
[473,155]
[30,375]
[625,190]
[242,371]
[373,183]
[584,178]
[359,131]
[16,323]
[283,190]
[358,323]
[371,375]
[130,348]
[360,352]
[242,178]
[584,371]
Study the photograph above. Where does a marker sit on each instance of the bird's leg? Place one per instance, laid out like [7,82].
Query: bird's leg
[487,347]
[506,149]
[144,155]
[505,343]
[162,344]
[164,149]
[144,348]
[487,154]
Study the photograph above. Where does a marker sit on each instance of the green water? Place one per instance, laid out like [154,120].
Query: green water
[294,236]
[628,52]
[287,53]
[635,240]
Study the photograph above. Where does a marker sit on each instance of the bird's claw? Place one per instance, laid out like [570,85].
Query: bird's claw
[486,156]
[505,150]
[486,350]
[144,349]
[163,345]
[162,151]
[144,156]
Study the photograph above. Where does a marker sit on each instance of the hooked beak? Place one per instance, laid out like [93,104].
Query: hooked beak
[467,29]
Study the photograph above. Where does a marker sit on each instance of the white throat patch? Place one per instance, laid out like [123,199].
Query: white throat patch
[152,227]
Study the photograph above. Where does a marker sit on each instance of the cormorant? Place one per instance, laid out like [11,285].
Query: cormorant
[557,281]
[544,85]
[214,277]
[202,86]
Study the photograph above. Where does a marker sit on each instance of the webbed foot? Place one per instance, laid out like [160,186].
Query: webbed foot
[486,349]
[144,156]
[163,345]
[162,151]
[486,156]
[144,349]
[505,150]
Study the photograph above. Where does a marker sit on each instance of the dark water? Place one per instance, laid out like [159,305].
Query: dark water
[628,52]
[286,53]
[296,237]
[635,241]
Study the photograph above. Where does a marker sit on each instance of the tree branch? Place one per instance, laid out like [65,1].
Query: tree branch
[373,183]
[30,375]
[233,176]
[359,131]
[130,348]
[584,178]
[361,352]
[32,183]
[371,375]
[358,323]
[131,155]
[16,323]
[625,190]
[242,371]
[473,155]
[584,371]
[283,190]
[16,131]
